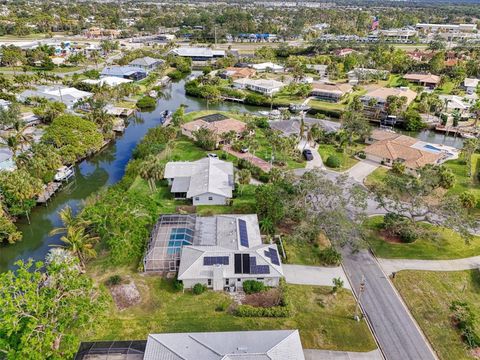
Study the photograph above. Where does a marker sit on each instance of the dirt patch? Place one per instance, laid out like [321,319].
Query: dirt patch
[389,237]
[186,209]
[475,353]
[125,295]
[267,298]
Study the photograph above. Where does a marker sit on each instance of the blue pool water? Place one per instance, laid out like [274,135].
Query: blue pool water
[432,148]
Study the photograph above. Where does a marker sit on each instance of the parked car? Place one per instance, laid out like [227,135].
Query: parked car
[307,154]
[244,150]
[212,155]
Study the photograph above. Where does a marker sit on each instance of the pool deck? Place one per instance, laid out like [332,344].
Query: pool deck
[450,152]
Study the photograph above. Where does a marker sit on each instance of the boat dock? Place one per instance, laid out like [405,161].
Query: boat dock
[465,132]
[50,189]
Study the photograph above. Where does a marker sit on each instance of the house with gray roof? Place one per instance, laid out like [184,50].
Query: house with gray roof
[239,345]
[207,181]
[291,127]
[124,72]
[147,63]
[67,95]
[220,251]
[198,53]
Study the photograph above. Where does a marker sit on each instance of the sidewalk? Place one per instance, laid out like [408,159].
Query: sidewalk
[395,265]
[314,275]
[313,354]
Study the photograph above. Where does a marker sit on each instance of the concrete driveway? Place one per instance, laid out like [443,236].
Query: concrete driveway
[314,275]
[361,170]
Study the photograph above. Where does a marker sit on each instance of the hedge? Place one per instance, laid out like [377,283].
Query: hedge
[251,311]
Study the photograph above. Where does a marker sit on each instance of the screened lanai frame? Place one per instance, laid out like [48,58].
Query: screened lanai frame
[170,234]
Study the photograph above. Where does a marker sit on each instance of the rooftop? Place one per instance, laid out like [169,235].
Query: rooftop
[145,61]
[383,93]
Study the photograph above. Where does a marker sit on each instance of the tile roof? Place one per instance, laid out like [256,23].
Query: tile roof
[425,78]
[340,88]
[383,93]
[218,127]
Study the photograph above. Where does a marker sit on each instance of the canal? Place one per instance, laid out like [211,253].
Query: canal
[107,168]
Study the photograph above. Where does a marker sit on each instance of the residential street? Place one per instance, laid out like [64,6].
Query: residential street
[395,329]
[391,265]
[314,275]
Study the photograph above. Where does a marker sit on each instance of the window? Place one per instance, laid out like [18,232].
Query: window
[209,282]
[260,279]
[197,198]
[210,198]
[239,279]
[227,281]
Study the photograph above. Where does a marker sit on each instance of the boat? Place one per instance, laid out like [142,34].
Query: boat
[153,94]
[298,107]
[468,135]
[64,173]
[165,116]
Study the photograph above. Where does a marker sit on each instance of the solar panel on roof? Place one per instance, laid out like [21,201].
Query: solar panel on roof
[272,254]
[242,229]
[260,269]
[213,118]
[215,260]
[238,263]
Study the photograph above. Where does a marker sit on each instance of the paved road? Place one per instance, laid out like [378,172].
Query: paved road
[395,329]
[314,275]
[391,265]
[313,354]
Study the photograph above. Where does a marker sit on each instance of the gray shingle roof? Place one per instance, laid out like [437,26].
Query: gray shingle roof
[244,345]
[145,61]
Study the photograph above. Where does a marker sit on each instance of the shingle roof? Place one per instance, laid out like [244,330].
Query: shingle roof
[218,127]
[383,93]
[145,61]
[426,78]
[120,70]
[208,175]
[242,345]
[331,88]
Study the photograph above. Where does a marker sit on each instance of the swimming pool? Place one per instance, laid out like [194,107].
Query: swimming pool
[432,148]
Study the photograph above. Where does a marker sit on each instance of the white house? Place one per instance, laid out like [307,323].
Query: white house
[147,63]
[267,66]
[263,86]
[107,80]
[67,95]
[207,181]
[198,53]
[470,85]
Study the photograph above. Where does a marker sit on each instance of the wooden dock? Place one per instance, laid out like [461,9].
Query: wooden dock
[50,189]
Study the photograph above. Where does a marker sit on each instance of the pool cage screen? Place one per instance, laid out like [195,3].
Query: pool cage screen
[111,350]
[170,233]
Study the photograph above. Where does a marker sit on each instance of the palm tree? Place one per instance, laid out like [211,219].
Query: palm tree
[68,220]
[18,138]
[79,243]
[152,171]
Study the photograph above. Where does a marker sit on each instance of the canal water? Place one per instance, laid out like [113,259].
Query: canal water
[108,166]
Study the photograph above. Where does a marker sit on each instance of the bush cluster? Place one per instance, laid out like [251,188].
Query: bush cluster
[199,288]
[253,286]
[330,256]
[252,311]
[399,226]
[147,102]
[333,161]
[464,319]
[114,280]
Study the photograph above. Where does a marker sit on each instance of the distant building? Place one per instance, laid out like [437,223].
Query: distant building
[146,63]
[207,181]
[236,73]
[292,127]
[470,85]
[330,91]
[198,53]
[268,67]
[321,70]
[96,33]
[343,52]
[263,86]
[446,27]
[240,345]
[363,75]
[107,80]
[124,72]
[380,96]
[427,80]
[69,96]
[398,35]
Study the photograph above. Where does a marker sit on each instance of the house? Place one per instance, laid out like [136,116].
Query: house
[217,123]
[263,86]
[124,72]
[387,147]
[456,103]
[67,95]
[470,85]
[321,70]
[207,181]
[219,251]
[426,80]
[267,67]
[380,95]
[291,127]
[107,80]
[236,73]
[240,345]
[146,63]
[198,53]
[96,32]
[420,56]
[330,91]
[343,52]
[361,75]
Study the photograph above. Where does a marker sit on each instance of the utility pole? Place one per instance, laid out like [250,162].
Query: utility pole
[360,292]
[215,31]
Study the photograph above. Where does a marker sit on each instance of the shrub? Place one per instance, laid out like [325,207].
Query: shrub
[114,280]
[333,161]
[199,288]
[330,256]
[175,75]
[251,311]
[398,225]
[407,234]
[177,285]
[253,286]
[464,319]
[468,200]
[362,155]
[146,102]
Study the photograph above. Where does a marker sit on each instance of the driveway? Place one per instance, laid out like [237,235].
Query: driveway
[396,331]
[314,354]
[314,275]
[316,162]
[361,170]
[395,265]
[262,164]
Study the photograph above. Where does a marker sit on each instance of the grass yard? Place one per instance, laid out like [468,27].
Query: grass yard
[242,203]
[303,253]
[429,296]
[463,181]
[346,161]
[324,321]
[446,88]
[185,149]
[376,176]
[442,244]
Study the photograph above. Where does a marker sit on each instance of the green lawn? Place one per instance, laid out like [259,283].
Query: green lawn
[441,244]
[185,149]
[242,203]
[394,81]
[446,88]
[324,321]
[304,253]
[463,181]
[429,296]
[346,161]
[376,176]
